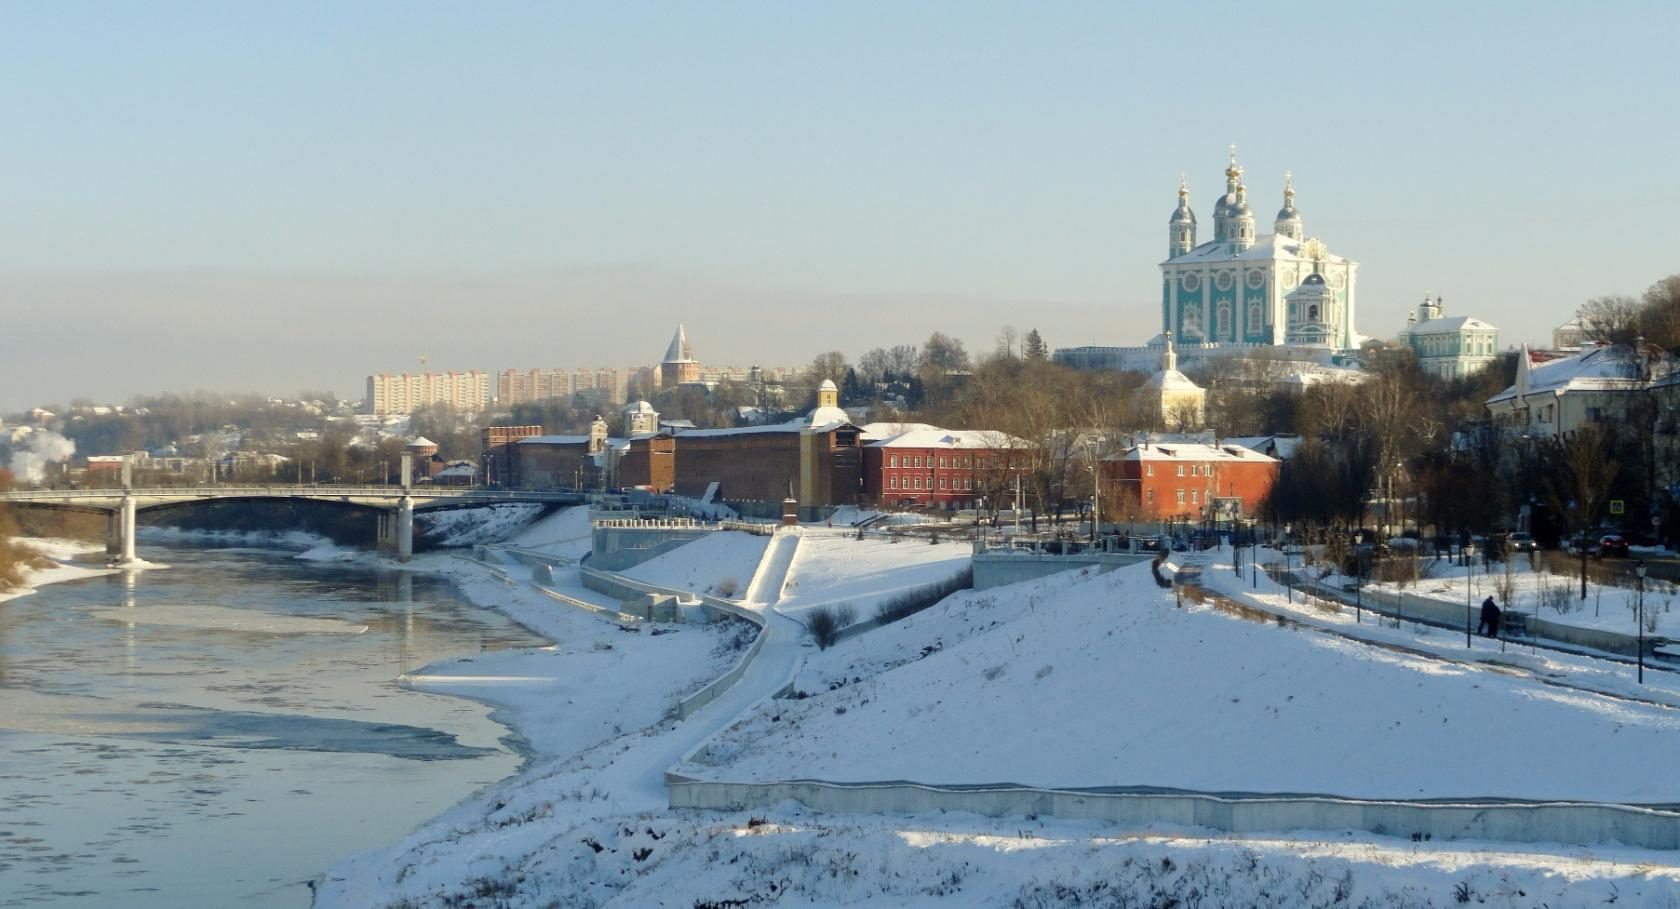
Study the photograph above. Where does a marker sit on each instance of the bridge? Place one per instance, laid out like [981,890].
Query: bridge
[396,505]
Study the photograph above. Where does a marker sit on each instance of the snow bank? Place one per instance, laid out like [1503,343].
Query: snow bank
[1105,682]
[60,552]
[457,527]
[836,567]
[720,563]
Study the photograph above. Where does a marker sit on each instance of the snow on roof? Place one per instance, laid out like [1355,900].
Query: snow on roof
[1190,451]
[552,440]
[422,442]
[1615,367]
[1171,380]
[1449,325]
[679,351]
[874,432]
[1283,447]
[1266,248]
[932,437]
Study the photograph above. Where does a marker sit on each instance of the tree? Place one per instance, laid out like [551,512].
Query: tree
[1035,349]
[1007,340]
[1660,313]
[1613,319]
[943,354]
[830,366]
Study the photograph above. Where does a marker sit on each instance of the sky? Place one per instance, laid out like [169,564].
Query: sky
[280,197]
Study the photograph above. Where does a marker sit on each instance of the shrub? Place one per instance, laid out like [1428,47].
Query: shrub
[915,600]
[826,624]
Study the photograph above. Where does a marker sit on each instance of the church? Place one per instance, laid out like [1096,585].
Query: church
[1241,291]
[1279,288]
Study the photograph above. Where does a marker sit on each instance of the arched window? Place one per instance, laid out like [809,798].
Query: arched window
[1253,318]
[1312,313]
[1222,321]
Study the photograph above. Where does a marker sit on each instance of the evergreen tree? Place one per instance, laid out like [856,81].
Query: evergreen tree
[1035,346]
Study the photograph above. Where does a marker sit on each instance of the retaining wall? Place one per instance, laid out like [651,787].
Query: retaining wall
[1523,822]
[995,569]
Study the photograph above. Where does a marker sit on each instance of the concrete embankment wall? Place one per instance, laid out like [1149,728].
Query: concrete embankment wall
[1524,822]
[996,569]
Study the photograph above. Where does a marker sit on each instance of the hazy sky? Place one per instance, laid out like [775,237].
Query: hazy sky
[282,196]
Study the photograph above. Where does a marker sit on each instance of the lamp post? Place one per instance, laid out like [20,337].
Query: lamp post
[1469,599]
[1639,569]
[1288,579]
[1358,578]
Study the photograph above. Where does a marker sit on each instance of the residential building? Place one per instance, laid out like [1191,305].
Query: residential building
[928,467]
[389,393]
[1602,383]
[1189,480]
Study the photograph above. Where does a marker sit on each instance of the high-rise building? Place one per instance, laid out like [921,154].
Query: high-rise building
[389,393]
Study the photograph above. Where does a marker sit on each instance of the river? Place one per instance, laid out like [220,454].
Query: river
[218,732]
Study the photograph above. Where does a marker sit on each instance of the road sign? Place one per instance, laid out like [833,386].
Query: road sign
[1617,506]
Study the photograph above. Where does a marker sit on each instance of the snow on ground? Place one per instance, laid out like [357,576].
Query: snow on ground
[578,829]
[1557,596]
[1103,682]
[60,552]
[564,533]
[455,527]
[720,563]
[833,566]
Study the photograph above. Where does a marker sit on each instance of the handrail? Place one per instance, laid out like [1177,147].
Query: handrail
[393,492]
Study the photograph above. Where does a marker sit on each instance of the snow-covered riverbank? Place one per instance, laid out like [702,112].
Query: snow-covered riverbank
[61,553]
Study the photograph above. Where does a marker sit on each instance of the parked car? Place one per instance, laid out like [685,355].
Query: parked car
[1613,544]
[1521,542]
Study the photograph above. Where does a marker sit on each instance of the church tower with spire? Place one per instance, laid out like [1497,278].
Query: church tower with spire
[679,366]
[1288,223]
[1181,230]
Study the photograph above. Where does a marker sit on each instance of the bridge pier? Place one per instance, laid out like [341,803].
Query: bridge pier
[396,531]
[119,531]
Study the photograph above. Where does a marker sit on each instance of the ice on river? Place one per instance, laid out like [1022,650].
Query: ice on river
[223,618]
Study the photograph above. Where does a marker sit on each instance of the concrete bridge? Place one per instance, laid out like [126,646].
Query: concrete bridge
[396,505]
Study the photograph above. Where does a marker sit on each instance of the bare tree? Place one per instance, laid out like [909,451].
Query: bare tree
[1614,319]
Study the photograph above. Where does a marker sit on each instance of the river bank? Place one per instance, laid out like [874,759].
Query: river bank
[61,553]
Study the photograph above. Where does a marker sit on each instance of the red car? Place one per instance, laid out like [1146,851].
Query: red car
[1613,544]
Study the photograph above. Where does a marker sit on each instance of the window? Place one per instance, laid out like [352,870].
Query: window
[1149,470]
[941,460]
[968,461]
[1149,496]
[892,460]
[892,482]
[918,482]
[968,482]
[1181,470]
[1254,318]
[1192,496]
[1181,497]
[944,482]
[918,460]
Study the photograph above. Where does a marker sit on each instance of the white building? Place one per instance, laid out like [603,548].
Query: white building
[1450,347]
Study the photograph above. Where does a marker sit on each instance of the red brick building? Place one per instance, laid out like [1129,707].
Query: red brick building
[1187,480]
[927,467]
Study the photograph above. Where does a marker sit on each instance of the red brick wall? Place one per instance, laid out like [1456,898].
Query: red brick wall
[1157,495]
[955,483]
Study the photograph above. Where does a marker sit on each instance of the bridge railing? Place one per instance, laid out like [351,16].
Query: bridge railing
[318,491]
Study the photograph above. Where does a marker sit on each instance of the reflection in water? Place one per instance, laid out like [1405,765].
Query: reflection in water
[203,752]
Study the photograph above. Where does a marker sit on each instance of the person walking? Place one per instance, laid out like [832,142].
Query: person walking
[1490,619]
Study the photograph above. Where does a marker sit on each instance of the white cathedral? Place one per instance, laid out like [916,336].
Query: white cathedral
[1243,290]
[1239,288]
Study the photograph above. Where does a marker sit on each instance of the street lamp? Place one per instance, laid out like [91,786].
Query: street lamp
[1358,578]
[1639,569]
[1288,579]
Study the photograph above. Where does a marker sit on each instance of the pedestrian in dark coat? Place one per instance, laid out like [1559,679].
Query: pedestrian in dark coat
[1490,619]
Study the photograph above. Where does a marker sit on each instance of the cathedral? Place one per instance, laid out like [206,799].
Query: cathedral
[1243,289]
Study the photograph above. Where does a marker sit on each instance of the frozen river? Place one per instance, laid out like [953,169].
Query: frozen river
[219,732]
